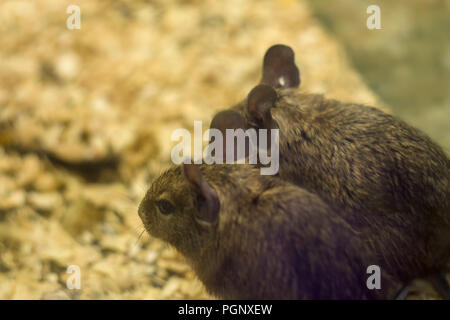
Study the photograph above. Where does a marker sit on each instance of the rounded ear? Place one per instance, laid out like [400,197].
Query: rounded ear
[259,102]
[228,119]
[207,203]
[279,69]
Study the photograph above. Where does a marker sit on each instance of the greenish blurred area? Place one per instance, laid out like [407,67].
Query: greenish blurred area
[407,62]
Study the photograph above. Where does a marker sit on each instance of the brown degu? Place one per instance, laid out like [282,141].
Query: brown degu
[249,236]
[354,156]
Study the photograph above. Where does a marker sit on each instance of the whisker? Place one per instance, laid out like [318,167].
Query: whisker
[139,237]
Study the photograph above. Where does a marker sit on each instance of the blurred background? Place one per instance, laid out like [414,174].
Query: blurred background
[86,116]
[407,62]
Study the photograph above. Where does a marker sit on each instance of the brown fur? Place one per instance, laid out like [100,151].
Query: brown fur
[366,160]
[274,240]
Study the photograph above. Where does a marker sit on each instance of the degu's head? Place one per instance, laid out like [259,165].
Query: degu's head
[181,208]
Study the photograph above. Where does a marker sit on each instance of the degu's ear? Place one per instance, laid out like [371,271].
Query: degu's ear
[228,119]
[259,102]
[207,203]
[279,69]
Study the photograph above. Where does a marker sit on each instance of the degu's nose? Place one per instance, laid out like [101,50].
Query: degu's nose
[141,210]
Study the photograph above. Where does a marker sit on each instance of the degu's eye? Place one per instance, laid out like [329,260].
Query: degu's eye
[165,206]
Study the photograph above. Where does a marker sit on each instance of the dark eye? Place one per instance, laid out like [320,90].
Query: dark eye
[165,206]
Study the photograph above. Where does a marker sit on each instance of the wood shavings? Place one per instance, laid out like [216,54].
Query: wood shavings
[76,101]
